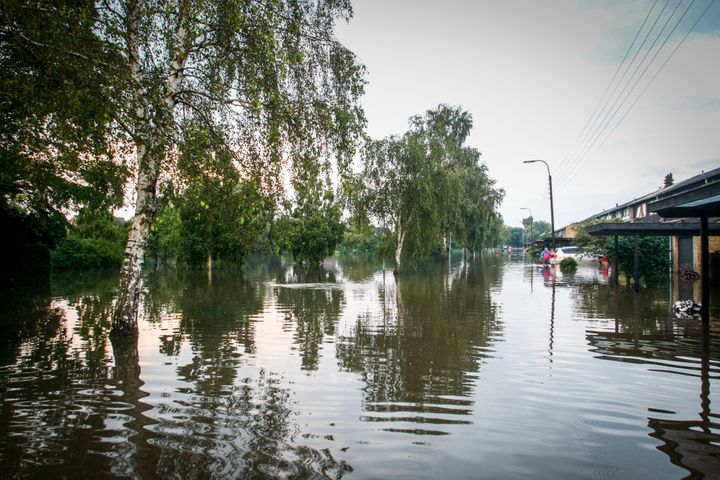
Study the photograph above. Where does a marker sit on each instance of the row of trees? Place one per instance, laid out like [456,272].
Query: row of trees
[531,231]
[409,196]
[208,105]
[96,92]
[209,211]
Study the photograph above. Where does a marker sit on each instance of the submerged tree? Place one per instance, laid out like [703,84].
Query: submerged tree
[477,223]
[312,227]
[428,183]
[513,236]
[221,214]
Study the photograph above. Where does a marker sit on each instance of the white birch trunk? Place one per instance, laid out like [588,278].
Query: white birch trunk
[149,155]
[128,304]
[398,248]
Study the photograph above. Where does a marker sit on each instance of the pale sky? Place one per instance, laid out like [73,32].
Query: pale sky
[532,72]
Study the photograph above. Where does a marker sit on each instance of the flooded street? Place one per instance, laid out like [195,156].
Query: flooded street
[492,368]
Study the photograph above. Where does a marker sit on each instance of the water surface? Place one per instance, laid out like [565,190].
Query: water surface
[487,368]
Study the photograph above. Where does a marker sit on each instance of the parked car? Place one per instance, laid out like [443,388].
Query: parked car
[570,251]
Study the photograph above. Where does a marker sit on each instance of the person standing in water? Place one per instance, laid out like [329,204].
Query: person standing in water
[546,255]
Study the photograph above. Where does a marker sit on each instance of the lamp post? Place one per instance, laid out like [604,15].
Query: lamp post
[552,213]
[531,223]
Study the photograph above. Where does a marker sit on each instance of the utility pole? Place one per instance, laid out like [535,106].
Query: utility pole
[552,212]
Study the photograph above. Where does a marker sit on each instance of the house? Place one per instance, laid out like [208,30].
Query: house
[685,248]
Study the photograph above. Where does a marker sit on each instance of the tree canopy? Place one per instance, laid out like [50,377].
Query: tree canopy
[95,90]
[58,146]
[427,184]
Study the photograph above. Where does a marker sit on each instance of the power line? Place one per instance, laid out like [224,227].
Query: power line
[605,124]
[602,97]
[612,111]
[659,70]
[627,68]
[591,138]
[594,125]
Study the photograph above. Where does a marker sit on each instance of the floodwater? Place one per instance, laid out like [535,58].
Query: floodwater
[490,368]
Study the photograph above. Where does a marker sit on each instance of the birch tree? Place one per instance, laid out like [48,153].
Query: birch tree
[405,186]
[477,222]
[82,80]
[419,185]
[267,77]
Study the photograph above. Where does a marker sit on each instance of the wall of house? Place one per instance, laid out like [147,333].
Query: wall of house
[713,247]
[683,289]
[570,231]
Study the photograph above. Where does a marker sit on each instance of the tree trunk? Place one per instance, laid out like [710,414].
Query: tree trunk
[128,303]
[151,124]
[398,249]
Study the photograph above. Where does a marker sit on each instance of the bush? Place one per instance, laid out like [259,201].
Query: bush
[83,253]
[653,257]
[568,265]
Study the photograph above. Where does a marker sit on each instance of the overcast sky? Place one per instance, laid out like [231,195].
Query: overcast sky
[532,73]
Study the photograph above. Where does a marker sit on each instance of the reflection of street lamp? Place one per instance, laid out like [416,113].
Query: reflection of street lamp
[531,223]
[552,213]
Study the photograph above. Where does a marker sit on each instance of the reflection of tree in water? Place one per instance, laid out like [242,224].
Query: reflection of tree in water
[63,409]
[315,313]
[359,268]
[420,354]
[247,433]
[27,312]
[75,406]
[20,309]
[314,307]
[221,303]
[215,317]
[218,423]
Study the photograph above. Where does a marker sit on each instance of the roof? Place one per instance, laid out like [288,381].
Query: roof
[692,182]
[700,201]
[684,228]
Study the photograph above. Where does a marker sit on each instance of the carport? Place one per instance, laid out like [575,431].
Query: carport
[683,214]
[702,203]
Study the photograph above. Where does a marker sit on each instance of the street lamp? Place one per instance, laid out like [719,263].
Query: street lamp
[531,223]
[552,213]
